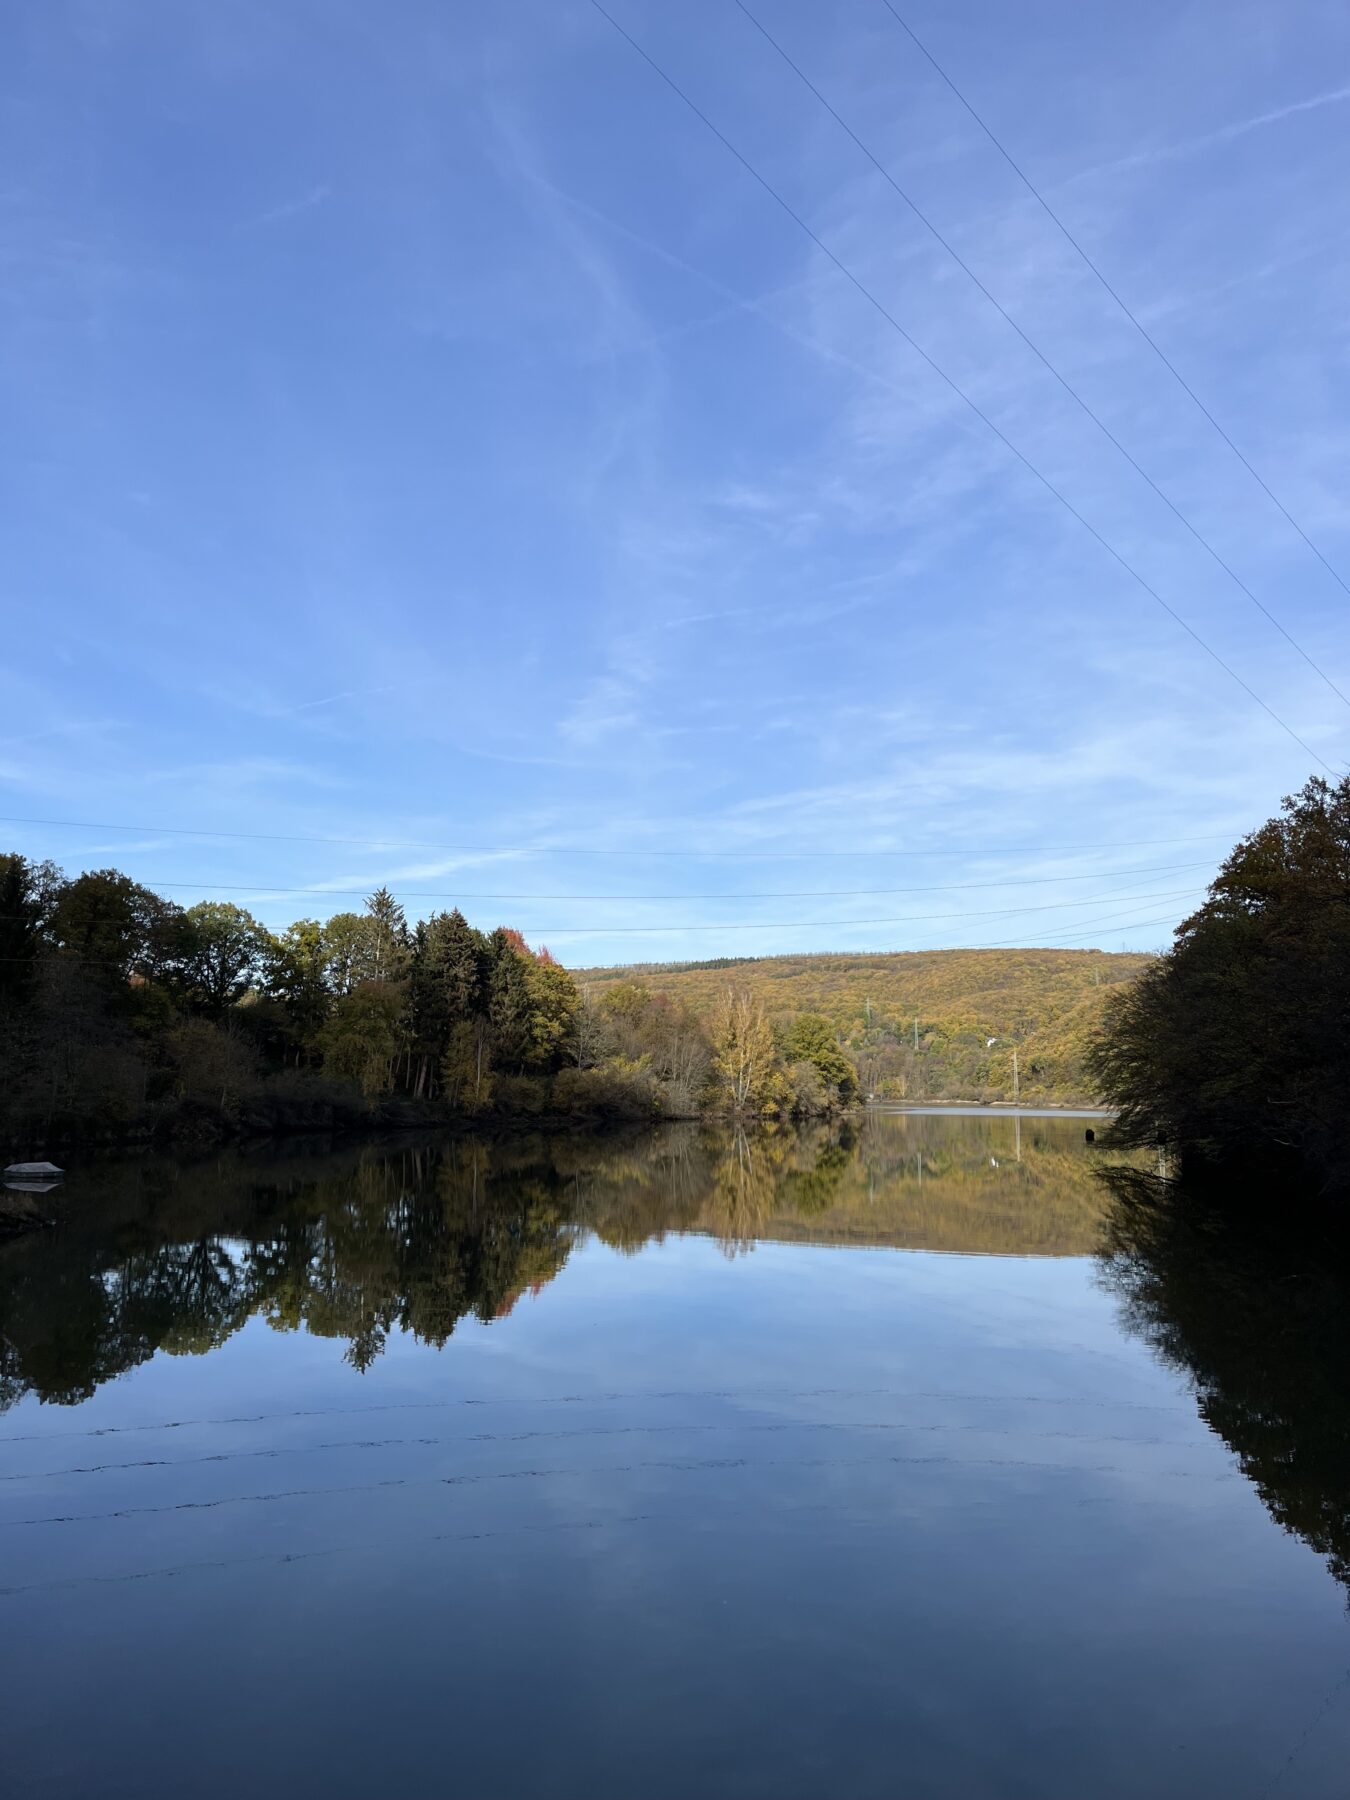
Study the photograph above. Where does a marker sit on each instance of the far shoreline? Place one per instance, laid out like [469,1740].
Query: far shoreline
[973,1109]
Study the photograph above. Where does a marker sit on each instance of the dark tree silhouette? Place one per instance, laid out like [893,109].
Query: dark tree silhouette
[1235,1046]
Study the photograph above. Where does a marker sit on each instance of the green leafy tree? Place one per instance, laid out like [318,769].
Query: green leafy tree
[351,950]
[466,1064]
[364,1035]
[460,958]
[447,986]
[298,976]
[118,929]
[509,1007]
[553,1001]
[810,1039]
[1235,1046]
[390,941]
[226,952]
[21,917]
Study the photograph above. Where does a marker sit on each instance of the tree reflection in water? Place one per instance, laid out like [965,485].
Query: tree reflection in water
[156,1255]
[1252,1303]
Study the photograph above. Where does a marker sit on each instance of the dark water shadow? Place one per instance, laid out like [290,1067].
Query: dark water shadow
[1249,1297]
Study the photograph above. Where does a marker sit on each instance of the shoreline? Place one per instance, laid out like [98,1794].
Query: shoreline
[205,1128]
[1046,1109]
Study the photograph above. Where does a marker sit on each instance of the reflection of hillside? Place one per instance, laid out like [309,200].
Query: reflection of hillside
[995,1186]
[1257,1313]
[991,1186]
[155,1256]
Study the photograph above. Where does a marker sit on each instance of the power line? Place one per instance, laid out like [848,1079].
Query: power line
[838,924]
[693,854]
[671,929]
[948,381]
[1037,352]
[266,889]
[1124,923]
[1133,318]
[542,931]
[1126,919]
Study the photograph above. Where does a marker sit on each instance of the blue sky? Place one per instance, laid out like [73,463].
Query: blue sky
[421,432]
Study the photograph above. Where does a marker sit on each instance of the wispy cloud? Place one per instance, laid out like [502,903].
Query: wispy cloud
[609,705]
[118,847]
[387,687]
[247,774]
[70,728]
[318,195]
[1223,134]
[292,899]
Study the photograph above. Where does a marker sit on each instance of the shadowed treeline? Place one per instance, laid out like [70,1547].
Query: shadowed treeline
[126,1018]
[154,1255]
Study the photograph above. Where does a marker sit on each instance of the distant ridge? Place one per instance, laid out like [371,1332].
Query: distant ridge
[1044,1002]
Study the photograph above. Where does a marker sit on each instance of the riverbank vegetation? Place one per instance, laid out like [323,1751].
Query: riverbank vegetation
[1234,1048]
[124,1015]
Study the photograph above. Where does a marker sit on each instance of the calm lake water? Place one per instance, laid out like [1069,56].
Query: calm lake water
[833,1464]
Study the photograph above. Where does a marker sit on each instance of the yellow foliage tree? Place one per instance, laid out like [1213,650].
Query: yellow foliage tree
[744,1062]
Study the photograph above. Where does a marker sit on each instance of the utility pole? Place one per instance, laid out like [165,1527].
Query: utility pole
[916,1037]
[1016,1090]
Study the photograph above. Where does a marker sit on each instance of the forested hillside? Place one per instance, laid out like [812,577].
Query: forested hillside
[918,1024]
